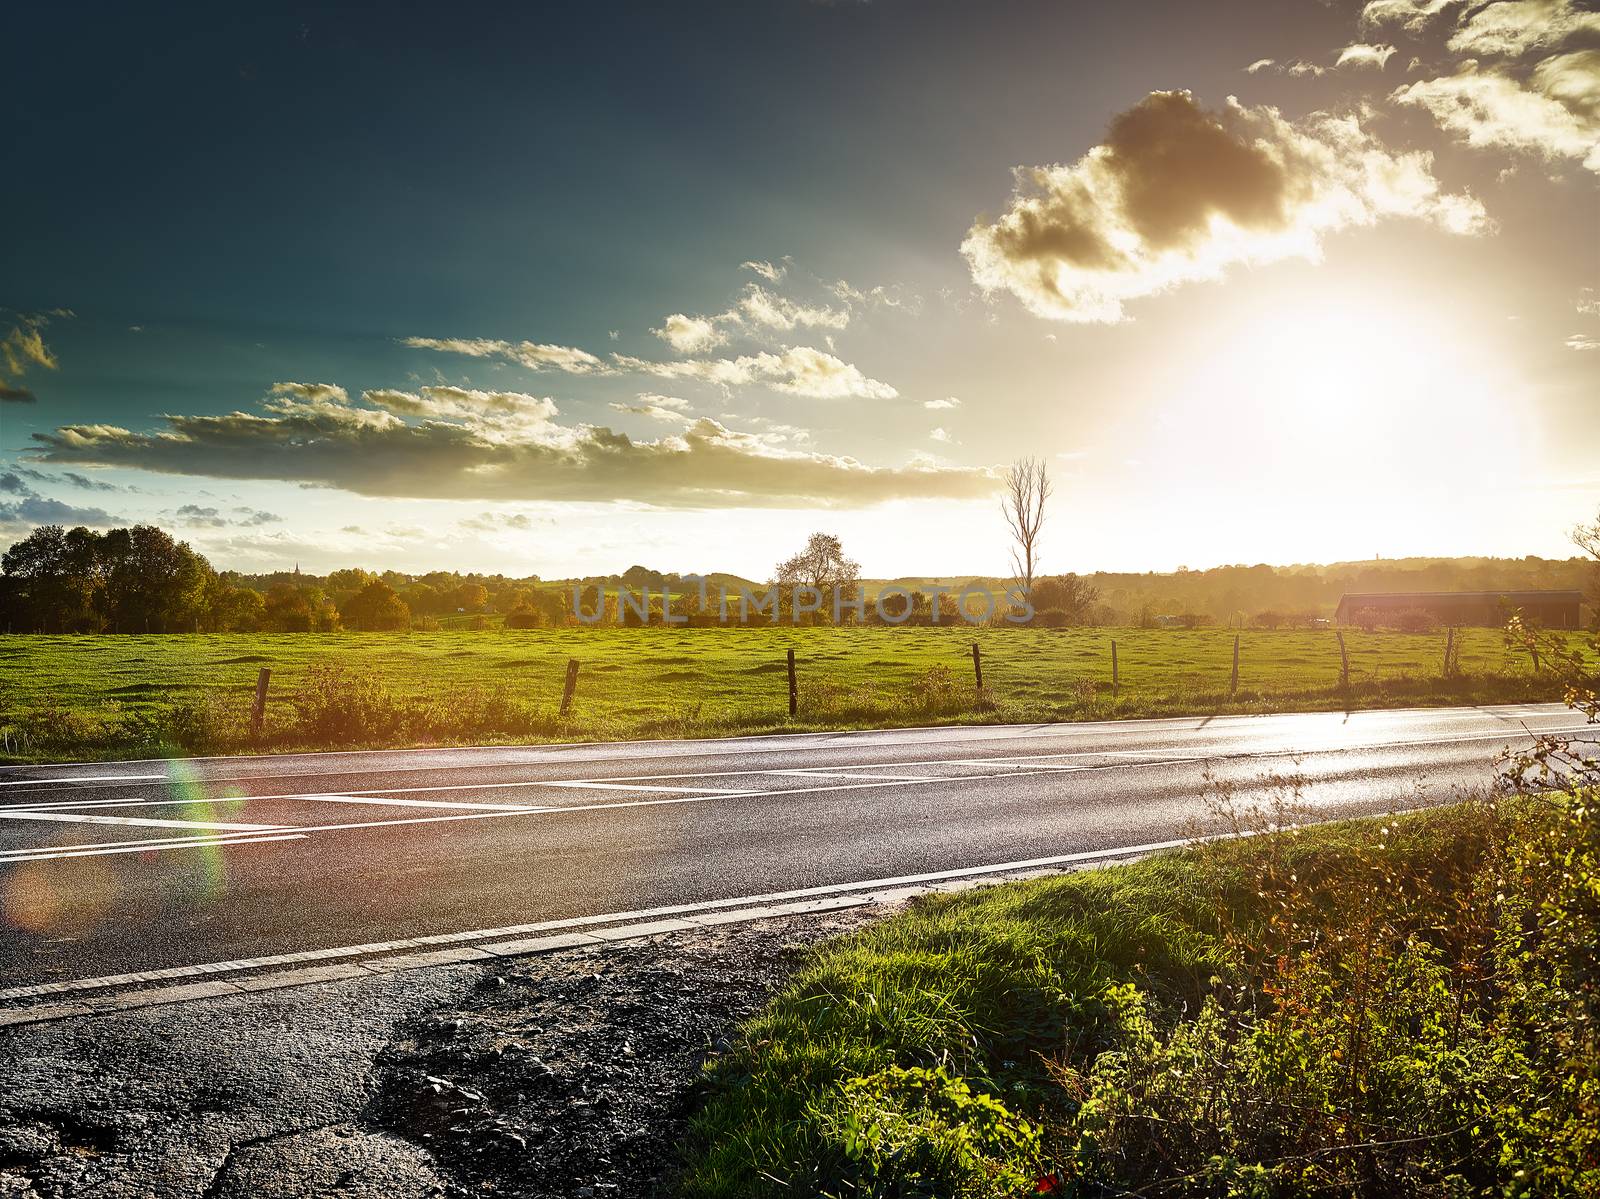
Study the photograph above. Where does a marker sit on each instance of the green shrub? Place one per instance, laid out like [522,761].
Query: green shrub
[1395,1007]
[337,705]
[922,1131]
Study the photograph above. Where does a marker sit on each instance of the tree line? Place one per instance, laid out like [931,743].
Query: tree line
[141,579]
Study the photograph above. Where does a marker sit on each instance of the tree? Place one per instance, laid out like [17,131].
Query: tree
[43,588]
[375,608]
[423,599]
[471,597]
[230,608]
[1587,539]
[1073,595]
[291,609]
[153,583]
[1027,491]
[342,584]
[822,567]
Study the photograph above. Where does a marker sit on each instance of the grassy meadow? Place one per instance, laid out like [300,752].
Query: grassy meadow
[107,695]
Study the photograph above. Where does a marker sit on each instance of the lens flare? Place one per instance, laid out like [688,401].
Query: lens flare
[68,897]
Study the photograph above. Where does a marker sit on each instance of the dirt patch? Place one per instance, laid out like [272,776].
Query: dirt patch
[576,1074]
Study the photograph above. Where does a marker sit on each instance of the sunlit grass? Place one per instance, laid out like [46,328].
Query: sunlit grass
[682,682]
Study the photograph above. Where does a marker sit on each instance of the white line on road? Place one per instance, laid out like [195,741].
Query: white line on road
[1158,757]
[848,739]
[142,821]
[698,795]
[600,785]
[874,884]
[90,778]
[87,851]
[374,802]
[823,773]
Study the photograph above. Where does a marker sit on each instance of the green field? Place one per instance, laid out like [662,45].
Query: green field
[96,695]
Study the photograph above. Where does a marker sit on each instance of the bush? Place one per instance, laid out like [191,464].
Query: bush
[935,692]
[524,618]
[1394,1007]
[1051,618]
[1414,620]
[335,705]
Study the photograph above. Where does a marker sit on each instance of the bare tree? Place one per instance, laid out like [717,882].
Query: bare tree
[1587,539]
[1027,490]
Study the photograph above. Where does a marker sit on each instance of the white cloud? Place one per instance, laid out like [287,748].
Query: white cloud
[669,416]
[1411,15]
[1514,27]
[940,435]
[798,370]
[1178,194]
[1555,114]
[23,348]
[801,370]
[451,443]
[533,355]
[771,311]
[768,271]
[690,334]
[1582,341]
[1260,64]
[496,415]
[936,405]
[1362,55]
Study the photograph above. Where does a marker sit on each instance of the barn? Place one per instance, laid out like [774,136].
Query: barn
[1552,609]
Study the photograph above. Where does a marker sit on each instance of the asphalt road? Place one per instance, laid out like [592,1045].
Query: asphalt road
[114,867]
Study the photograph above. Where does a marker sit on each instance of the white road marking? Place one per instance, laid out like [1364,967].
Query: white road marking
[143,821]
[145,843]
[90,778]
[86,851]
[1029,766]
[374,802]
[557,754]
[412,943]
[1158,757]
[602,785]
[823,773]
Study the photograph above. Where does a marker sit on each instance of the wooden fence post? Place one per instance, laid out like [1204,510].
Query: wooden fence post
[1344,662]
[977,665]
[794,687]
[1233,683]
[1115,681]
[258,710]
[571,687]
[1449,650]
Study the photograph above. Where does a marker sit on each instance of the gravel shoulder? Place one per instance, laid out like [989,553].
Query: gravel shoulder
[571,1074]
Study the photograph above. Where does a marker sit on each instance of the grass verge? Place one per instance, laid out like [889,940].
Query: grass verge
[1395,1007]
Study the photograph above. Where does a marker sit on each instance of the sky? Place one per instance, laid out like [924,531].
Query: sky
[555,290]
